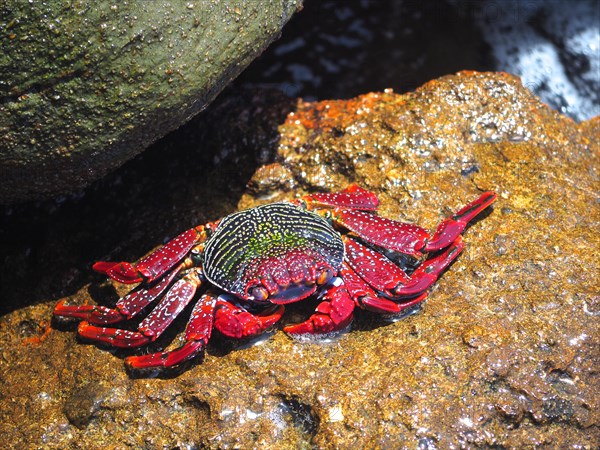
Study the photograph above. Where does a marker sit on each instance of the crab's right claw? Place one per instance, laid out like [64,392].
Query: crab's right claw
[235,322]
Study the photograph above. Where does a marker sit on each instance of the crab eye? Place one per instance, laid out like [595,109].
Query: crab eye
[324,276]
[258,293]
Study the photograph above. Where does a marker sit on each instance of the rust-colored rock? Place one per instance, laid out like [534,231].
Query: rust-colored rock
[504,353]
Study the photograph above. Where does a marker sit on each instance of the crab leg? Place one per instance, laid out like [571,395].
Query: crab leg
[452,227]
[236,322]
[156,263]
[373,267]
[334,313]
[387,233]
[209,311]
[197,334]
[407,238]
[353,197]
[427,273]
[367,298]
[126,308]
[384,306]
[383,275]
[154,324]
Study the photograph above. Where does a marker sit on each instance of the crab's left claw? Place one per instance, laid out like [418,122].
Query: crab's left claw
[332,314]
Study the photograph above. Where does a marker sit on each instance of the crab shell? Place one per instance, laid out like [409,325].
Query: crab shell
[278,251]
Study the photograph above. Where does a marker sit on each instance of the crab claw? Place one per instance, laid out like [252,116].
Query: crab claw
[234,321]
[333,314]
[123,272]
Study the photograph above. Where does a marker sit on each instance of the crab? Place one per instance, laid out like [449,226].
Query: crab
[250,264]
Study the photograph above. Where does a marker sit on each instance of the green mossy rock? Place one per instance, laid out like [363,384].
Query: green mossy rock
[86,86]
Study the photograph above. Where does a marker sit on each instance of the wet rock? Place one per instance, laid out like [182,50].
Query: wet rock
[271,178]
[552,45]
[503,354]
[333,52]
[83,403]
[83,89]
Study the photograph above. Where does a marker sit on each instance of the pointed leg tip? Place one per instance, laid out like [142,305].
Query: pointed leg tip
[60,305]
[304,332]
[145,362]
[63,313]
[84,327]
[165,360]
[319,325]
[66,313]
[458,243]
[488,197]
[123,272]
[299,328]
[103,266]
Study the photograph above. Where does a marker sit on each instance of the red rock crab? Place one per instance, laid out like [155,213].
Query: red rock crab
[265,257]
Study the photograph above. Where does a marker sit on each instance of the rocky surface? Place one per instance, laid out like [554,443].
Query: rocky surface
[504,353]
[554,46]
[340,51]
[85,88]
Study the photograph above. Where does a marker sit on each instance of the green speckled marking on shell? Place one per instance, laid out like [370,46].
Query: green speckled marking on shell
[263,232]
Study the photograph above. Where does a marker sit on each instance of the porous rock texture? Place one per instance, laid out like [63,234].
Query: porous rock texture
[85,86]
[505,352]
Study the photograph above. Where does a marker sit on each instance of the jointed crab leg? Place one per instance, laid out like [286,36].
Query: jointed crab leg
[155,323]
[452,227]
[373,267]
[353,197]
[407,238]
[429,270]
[156,263]
[126,308]
[382,305]
[384,276]
[387,233]
[367,298]
[208,312]
[197,334]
